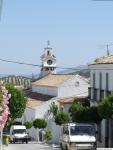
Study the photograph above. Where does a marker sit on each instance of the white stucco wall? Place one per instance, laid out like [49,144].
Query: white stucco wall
[45,90]
[69,88]
[37,112]
[103,69]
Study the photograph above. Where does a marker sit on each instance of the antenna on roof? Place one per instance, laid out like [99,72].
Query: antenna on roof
[108,52]
[108,45]
[107,48]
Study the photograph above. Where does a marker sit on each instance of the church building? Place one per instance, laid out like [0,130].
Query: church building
[52,87]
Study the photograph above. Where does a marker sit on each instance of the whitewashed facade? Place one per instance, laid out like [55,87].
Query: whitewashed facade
[102,86]
[75,85]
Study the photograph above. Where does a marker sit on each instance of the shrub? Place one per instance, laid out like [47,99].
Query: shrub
[61,118]
[28,124]
[48,135]
[39,123]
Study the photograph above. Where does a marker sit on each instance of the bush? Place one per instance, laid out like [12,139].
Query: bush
[39,123]
[48,135]
[28,124]
[61,118]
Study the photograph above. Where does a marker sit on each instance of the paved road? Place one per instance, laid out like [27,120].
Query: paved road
[30,146]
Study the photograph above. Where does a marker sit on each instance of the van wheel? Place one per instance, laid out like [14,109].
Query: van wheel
[61,147]
[26,142]
[67,147]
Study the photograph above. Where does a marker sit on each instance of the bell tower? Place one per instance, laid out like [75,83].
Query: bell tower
[48,61]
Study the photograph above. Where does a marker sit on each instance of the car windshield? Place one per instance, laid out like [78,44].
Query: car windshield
[19,131]
[82,130]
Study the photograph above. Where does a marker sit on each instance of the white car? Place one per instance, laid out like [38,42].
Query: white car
[18,134]
[77,136]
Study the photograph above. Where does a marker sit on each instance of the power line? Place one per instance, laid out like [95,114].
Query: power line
[34,65]
[17,62]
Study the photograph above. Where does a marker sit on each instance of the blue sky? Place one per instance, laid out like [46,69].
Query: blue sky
[77,30]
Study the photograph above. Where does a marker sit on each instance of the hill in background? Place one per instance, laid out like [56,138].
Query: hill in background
[81,70]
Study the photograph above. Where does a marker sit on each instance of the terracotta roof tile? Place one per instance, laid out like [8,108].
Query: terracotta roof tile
[52,80]
[103,60]
[70,100]
[31,103]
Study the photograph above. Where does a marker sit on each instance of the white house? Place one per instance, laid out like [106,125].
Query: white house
[101,86]
[53,87]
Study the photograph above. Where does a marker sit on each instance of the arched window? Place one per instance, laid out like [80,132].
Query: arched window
[48,52]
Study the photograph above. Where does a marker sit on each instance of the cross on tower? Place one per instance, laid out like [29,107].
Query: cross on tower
[48,43]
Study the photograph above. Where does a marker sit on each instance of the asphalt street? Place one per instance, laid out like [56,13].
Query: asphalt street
[30,146]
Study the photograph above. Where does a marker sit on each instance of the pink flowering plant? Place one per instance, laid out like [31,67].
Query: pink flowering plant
[4,109]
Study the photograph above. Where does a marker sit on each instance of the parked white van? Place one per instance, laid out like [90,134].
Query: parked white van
[18,133]
[78,136]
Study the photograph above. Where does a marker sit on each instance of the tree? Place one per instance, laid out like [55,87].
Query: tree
[105,107]
[17,103]
[48,135]
[61,118]
[84,113]
[28,124]
[88,115]
[75,107]
[39,123]
[53,109]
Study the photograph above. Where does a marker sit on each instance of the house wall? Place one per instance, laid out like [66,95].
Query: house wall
[103,69]
[38,112]
[55,129]
[96,96]
[45,90]
[71,88]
